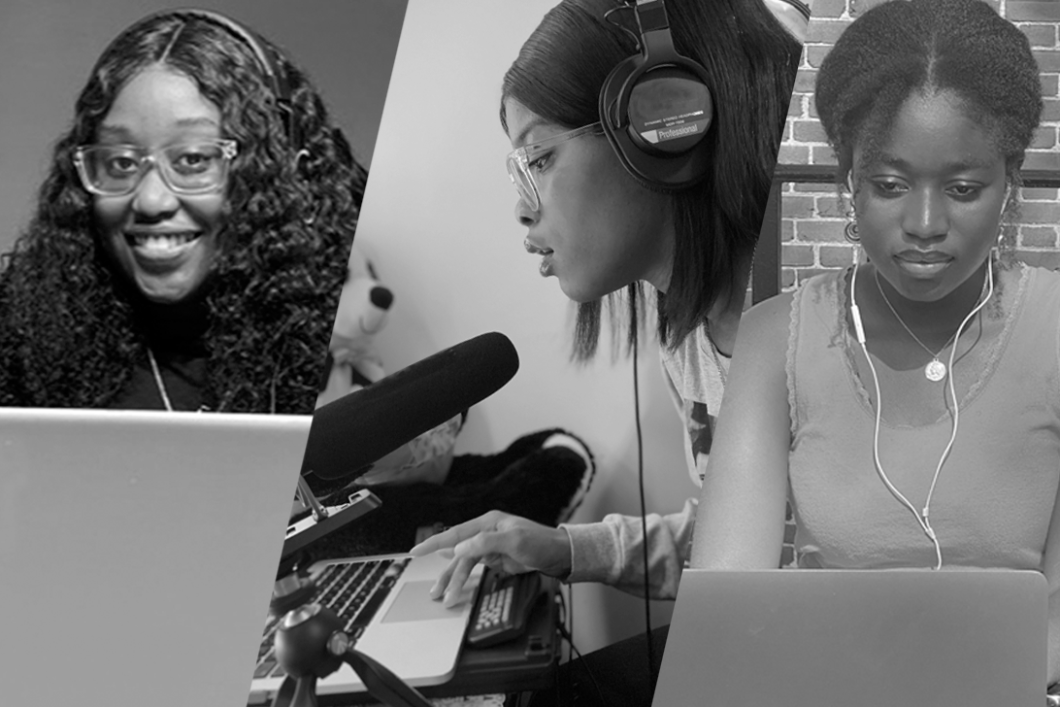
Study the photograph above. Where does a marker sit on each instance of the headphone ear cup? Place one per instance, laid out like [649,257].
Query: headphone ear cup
[657,121]
[669,111]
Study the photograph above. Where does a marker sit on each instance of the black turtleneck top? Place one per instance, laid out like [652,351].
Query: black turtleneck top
[175,334]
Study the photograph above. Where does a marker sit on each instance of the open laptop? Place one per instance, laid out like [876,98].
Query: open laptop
[802,638]
[138,552]
[385,603]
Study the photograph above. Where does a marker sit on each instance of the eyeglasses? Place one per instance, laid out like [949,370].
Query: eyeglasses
[198,167]
[521,161]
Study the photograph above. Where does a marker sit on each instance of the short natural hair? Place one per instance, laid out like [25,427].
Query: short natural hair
[902,47]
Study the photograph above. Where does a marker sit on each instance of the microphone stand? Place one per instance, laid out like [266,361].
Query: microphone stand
[310,641]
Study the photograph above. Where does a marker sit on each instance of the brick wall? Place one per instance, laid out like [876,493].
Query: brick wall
[813,215]
[813,218]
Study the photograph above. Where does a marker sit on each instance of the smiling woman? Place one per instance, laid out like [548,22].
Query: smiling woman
[190,241]
[160,230]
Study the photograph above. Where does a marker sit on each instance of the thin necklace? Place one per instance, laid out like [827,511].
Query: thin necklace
[936,369]
[158,379]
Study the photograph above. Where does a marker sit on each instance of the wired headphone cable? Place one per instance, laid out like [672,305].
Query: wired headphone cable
[643,506]
[922,517]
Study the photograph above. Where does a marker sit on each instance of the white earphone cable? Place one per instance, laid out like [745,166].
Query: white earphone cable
[922,517]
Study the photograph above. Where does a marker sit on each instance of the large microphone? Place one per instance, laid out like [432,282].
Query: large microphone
[360,428]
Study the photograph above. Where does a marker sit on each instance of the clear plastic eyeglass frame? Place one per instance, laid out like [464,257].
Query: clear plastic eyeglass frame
[520,159]
[204,169]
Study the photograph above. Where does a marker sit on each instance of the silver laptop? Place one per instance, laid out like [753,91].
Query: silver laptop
[138,552]
[385,603]
[802,638]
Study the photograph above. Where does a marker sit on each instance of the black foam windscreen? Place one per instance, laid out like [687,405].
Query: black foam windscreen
[349,434]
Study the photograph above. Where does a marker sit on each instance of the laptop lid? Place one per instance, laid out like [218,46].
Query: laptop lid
[802,638]
[139,551]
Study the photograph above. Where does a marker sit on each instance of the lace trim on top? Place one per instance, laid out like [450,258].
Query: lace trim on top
[789,365]
[835,292]
[848,344]
[1058,351]
[721,362]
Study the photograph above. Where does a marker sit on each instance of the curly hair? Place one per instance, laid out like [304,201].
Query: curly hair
[898,48]
[69,334]
[752,61]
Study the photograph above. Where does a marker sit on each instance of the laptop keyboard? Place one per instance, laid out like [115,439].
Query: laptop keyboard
[354,590]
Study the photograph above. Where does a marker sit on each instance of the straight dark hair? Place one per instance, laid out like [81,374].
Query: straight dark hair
[752,61]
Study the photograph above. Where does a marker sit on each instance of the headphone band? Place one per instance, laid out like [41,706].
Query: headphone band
[656,107]
[269,60]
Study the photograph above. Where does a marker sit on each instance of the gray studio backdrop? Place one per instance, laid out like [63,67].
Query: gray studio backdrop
[48,47]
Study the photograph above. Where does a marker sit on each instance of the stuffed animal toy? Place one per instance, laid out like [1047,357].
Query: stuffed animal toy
[353,363]
[541,476]
[364,306]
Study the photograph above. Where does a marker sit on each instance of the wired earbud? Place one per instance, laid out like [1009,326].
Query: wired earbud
[1004,207]
[656,107]
[922,516]
[272,64]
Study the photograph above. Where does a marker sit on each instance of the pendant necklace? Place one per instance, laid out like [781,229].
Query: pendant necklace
[935,370]
[161,385]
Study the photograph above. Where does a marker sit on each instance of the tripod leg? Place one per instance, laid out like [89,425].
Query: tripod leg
[305,692]
[382,684]
[285,693]
[300,692]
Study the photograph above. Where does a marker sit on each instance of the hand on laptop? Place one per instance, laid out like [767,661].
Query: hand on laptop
[501,541]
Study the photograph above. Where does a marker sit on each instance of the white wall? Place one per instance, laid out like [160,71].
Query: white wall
[438,223]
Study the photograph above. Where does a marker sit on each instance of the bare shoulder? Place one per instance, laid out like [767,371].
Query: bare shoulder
[764,330]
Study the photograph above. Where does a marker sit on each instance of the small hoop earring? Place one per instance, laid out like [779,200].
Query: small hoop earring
[310,221]
[850,232]
[302,154]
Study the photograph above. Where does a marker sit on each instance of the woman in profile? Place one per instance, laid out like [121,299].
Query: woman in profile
[602,225]
[190,240]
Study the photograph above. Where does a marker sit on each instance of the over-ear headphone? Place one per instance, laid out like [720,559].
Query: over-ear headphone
[272,64]
[656,108]
[270,61]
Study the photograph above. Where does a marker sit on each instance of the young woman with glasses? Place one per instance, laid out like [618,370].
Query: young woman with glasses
[600,230]
[190,240]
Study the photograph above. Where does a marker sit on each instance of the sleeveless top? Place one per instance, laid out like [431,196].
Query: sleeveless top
[996,493]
